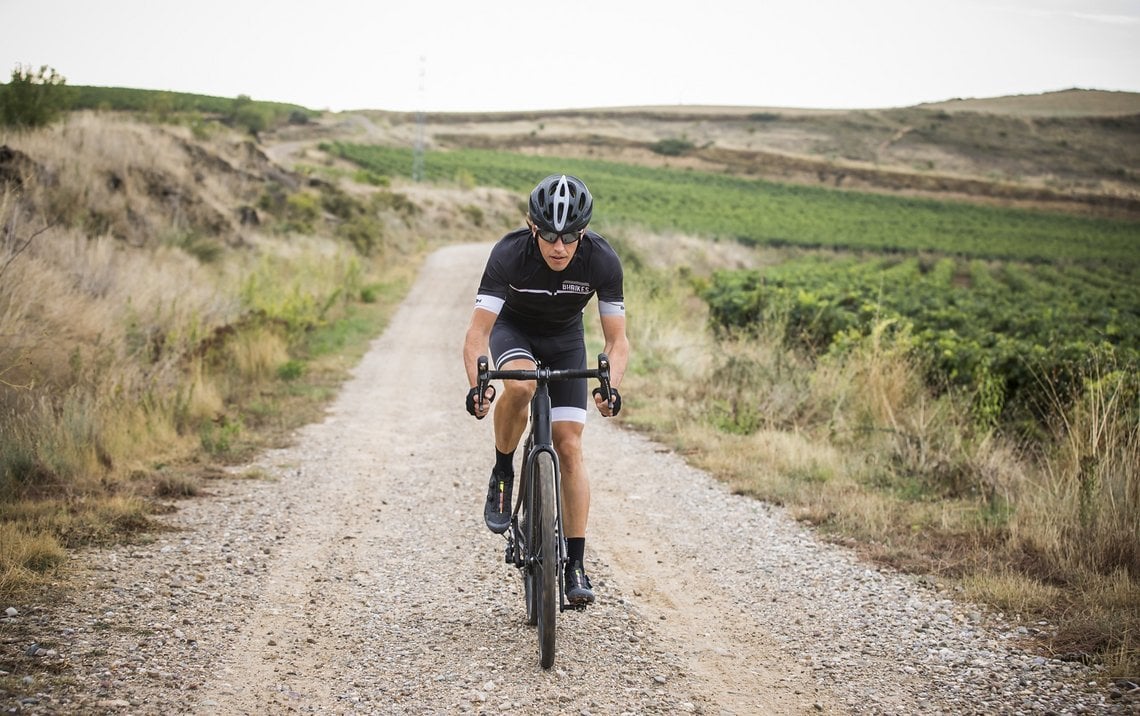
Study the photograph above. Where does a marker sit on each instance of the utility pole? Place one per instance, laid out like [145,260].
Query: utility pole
[421,120]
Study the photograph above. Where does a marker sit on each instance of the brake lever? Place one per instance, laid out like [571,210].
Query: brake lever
[483,367]
[604,378]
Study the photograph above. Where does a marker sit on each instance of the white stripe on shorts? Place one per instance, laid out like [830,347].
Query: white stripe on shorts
[567,414]
[515,354]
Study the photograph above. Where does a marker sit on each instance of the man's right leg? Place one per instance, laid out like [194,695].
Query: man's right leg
[511,410]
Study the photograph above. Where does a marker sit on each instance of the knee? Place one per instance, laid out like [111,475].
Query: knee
[518,392]
[567,441]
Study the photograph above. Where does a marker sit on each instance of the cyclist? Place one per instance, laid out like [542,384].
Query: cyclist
[528,308]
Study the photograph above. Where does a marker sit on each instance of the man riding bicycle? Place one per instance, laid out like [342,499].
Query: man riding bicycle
[528,308]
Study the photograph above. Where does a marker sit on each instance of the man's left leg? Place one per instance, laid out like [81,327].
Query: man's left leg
[575,507]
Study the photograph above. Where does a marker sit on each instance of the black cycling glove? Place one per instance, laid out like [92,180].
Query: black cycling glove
[472,395]
[615,396]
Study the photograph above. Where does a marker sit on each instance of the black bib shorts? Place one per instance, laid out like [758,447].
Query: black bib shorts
[561,351]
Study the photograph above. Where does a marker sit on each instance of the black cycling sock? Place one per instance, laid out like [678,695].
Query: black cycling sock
[505,462]
[575,550]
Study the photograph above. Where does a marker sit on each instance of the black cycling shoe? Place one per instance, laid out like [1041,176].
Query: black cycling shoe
[578,590]
[497,511]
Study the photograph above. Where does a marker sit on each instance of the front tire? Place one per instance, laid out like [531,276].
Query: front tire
[546,568]
[527,523]
[530,535]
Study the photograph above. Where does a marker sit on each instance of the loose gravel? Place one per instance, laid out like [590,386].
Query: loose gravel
[357,577]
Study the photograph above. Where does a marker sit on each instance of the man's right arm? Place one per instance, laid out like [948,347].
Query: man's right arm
[477,342]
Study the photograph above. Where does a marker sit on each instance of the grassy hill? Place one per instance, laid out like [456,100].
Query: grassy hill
[1076,150]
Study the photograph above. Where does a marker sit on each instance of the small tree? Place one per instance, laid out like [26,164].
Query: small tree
[248,115]
[33,98]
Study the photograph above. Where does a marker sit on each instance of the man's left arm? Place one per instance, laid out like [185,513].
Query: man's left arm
[617,348]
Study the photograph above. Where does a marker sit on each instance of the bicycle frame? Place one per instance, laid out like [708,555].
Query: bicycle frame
[541,440]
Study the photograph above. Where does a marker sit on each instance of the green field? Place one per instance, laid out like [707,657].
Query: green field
[767,213]
[976,324]
[999,301]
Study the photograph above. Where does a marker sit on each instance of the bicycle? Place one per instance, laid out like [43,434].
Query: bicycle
[536,544]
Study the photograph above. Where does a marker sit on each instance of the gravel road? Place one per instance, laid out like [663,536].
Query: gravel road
[359,578]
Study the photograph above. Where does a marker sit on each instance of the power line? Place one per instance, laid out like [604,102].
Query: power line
[421,120]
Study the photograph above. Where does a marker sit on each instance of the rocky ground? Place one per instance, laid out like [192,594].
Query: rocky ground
[356,576]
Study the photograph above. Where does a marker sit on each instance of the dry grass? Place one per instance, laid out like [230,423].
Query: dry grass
[257,354]
[142,183]
[26,556]
[857,445]
[128,354]
[146,338]
[1066,103]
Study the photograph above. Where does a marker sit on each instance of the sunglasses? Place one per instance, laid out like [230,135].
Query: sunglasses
[552,236]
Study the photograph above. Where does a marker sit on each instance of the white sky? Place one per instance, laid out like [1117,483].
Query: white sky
[446,55]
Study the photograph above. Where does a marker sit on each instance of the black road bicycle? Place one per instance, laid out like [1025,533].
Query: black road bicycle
[536,543]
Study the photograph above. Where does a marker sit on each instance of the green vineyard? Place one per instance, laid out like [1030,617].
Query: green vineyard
[760,212]
[1013,328]
[1005,302]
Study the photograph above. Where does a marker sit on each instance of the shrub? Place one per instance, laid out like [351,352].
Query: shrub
[291,370]
[473,214]
[249,115]
[33,98]
[363,231]
[302,212]
[672,147]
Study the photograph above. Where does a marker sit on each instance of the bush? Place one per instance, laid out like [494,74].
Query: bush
[363,231]
[250,116]
[672,147]
[302,210]
[33,98]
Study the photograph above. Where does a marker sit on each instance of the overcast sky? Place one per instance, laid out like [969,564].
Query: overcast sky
[446,55]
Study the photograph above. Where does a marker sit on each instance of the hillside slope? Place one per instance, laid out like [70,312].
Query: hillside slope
[1075,150]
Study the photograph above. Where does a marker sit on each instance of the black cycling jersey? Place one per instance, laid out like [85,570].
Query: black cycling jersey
[519,286]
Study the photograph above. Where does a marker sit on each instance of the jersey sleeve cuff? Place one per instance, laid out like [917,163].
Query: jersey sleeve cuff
[611,308]
[489,303]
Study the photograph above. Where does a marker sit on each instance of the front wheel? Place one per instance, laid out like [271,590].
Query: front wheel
[545,569]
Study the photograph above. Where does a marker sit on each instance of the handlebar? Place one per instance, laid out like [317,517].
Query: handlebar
[542,374]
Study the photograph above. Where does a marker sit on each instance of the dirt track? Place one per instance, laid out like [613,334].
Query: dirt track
[397,527]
